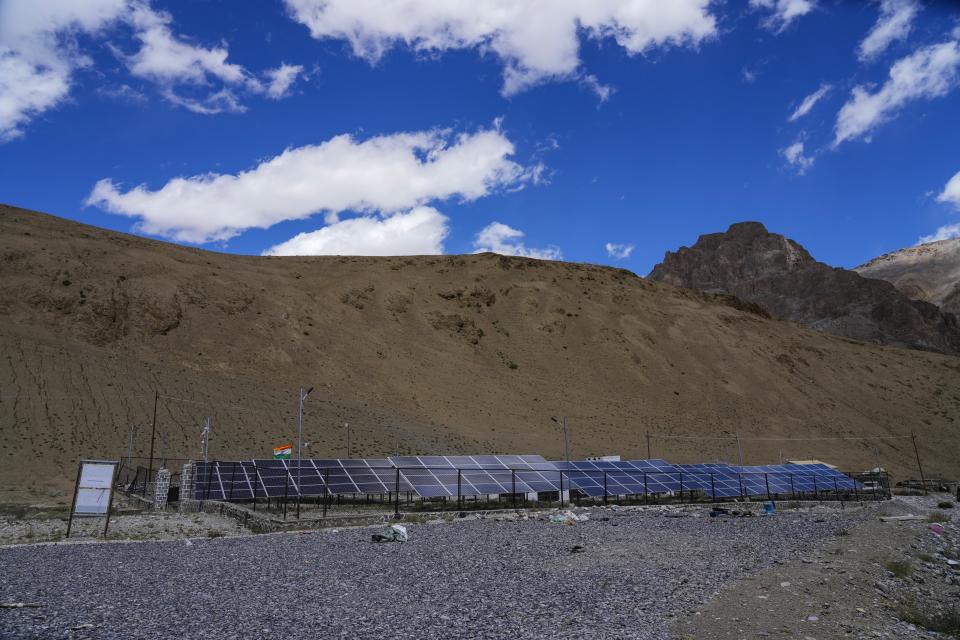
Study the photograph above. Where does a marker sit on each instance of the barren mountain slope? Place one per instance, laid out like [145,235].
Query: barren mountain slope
[929,272]
[783,278]
[422,354]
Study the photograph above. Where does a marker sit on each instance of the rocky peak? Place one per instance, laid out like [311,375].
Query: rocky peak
[778,274]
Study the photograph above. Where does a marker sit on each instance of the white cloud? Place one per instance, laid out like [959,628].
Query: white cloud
[894,23]
[497,237]
[535,40]
[796,158]
[602,91]
[222,101]
[927,73]
[949,195]
[281,79]
[951,192]
[176,65]
[809,103]
[384,174]
[38,54]
[25,91]
[619,251]
[946,232]
[784,12]
[420,231]
[166,59]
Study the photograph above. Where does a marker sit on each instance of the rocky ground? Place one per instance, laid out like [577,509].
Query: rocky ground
[880,579]
[655,572]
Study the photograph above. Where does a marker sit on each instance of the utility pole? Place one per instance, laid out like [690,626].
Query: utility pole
[131,433]
[739,448]
[566,436]
[649,456]
[916,451]
[347,426]
[153,433]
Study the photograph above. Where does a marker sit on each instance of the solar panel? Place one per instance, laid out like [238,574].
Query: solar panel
[452,476]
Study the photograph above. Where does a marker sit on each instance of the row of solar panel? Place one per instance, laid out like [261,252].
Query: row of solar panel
[504,475]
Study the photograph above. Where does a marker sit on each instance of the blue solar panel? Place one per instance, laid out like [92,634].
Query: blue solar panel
[452,476]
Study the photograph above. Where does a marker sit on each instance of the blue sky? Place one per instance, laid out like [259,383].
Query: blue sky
[357,126]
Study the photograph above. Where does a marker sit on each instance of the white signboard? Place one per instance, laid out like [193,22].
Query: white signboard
[94,487]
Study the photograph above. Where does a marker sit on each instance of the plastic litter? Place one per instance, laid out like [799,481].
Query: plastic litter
[937,529]
[769,509]
[393,533]
[568,518]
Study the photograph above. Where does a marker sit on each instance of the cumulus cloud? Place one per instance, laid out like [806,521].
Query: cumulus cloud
[497,237]
[420,231]
[619,251]
[536,41]
[894,23]
[38,55]
[178,66]
[783,12]
[281,79]
[796,157]
[383,174]
[809,103]
[927,73]
[950,195]
[165,58]
[946,232]
[951,192]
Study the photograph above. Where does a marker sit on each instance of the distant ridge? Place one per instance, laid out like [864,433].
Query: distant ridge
[928,272]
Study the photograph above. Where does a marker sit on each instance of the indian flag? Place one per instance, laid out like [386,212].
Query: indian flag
[284,451]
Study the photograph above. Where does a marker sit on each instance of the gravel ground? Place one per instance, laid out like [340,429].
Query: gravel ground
[141,526]
[638,570]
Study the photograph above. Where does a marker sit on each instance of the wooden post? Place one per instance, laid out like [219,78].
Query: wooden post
[153,438]
[73,503]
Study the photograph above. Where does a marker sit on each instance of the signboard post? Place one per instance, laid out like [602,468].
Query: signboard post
[93,492]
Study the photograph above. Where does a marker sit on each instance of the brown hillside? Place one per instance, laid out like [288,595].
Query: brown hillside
[422,354]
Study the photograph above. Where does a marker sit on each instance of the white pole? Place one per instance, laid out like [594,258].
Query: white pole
[347,425]
[299,440]
[739,449]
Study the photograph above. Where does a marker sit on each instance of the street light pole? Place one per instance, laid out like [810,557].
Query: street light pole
[566,449]
[302,396]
